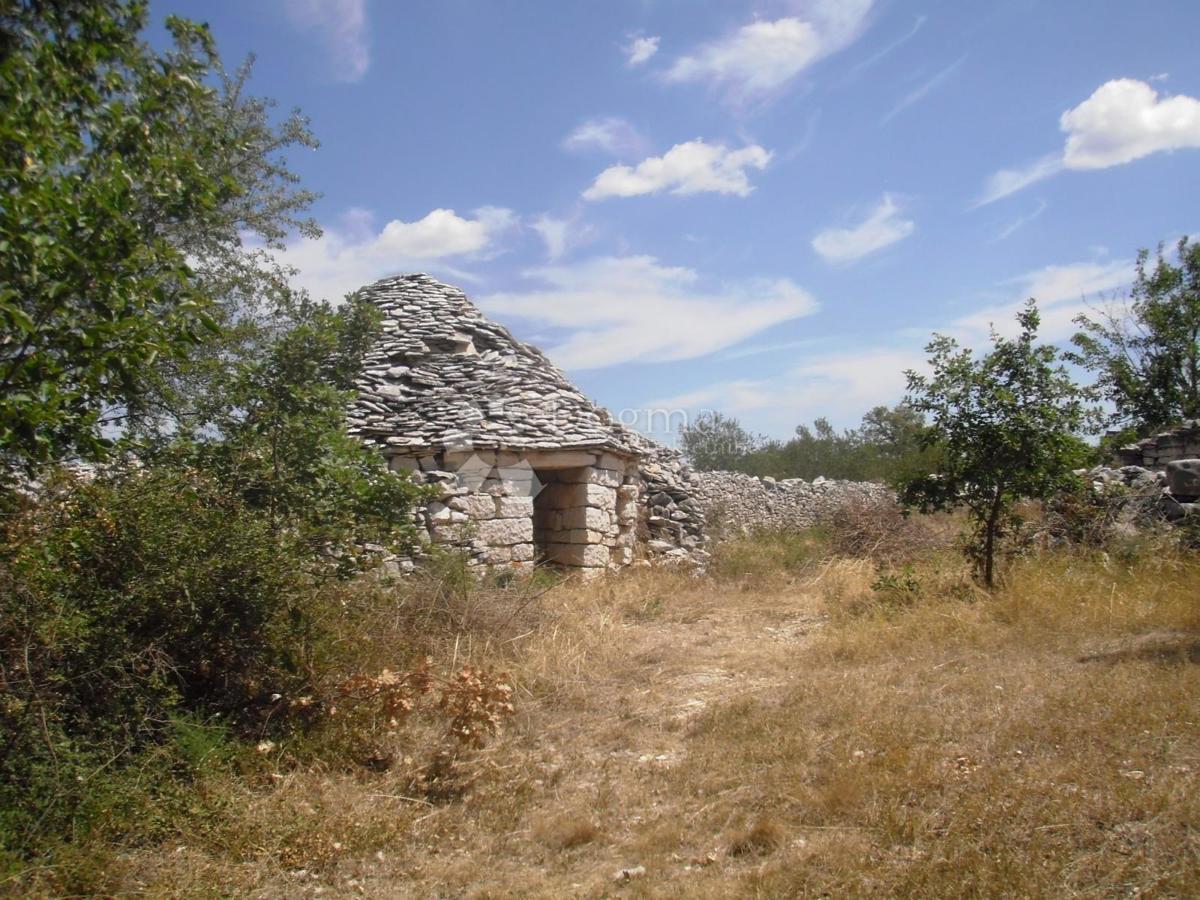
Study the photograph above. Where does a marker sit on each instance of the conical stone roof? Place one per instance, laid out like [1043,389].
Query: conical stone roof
[443,376]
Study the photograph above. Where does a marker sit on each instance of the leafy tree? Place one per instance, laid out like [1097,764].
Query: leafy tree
[124,176]
[1146,351]
[280,439]
[715,441]
[1004,425]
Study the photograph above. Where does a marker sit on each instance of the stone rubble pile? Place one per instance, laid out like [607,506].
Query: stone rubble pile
[1146,496]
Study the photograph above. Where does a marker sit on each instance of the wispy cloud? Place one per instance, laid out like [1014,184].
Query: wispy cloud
[690,168]
[878,57]
[1122,121]
[640,49]
[883,227]
[923,90]
[762,57]
[341,26]
[633,308]
[609,134]
[1013,227]
[1009,181]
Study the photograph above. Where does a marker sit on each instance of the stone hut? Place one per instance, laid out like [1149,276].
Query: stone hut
[528,469]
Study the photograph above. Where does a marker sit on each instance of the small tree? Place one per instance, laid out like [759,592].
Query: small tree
[715,441]
[1146,351]
[1004,425]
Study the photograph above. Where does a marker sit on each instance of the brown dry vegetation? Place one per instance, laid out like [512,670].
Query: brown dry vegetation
[793,724]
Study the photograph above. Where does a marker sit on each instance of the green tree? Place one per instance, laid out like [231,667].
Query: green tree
[124,175]
[714,441]
[1146,351]
[1004,425]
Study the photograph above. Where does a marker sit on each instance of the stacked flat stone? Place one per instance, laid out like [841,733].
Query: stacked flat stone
[443,375]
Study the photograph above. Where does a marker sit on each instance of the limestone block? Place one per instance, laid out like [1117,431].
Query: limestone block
[600,496]
[479,507]
[588,517]
[578,554]
[607,477]
[1183,477]
[611,461]
[447,534]
[440,513]
[514,507]
[584,536]
[494,555]
[522,552]
[622,556]
[560,459]
[506,532]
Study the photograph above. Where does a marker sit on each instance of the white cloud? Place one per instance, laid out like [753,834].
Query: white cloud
[1121,121]
[354,253]
[882,228]
[640,49]
[1125,120]
[611,134]
[632,308]
[760,58]
[341,25]
[690,168]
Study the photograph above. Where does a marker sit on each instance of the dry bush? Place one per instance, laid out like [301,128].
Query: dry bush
[885,532]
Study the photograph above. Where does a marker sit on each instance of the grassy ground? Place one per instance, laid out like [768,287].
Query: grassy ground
[793,724]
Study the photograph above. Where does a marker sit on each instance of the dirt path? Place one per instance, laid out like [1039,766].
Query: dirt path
[602,764]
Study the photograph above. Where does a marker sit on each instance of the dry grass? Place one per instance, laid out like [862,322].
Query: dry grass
[791,725]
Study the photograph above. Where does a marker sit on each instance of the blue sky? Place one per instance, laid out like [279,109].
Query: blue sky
[762,208]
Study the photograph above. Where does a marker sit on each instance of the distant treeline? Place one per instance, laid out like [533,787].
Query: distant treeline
[886,446]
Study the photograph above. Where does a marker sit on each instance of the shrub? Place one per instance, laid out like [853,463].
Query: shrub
[124,603]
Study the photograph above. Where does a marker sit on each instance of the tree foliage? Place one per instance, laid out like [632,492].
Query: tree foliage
[1004,425]
[127,181]
[1145,352]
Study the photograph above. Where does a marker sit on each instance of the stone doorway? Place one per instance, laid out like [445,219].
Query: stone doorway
[571,527]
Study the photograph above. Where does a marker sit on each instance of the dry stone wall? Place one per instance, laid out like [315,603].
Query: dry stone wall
[741,503]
